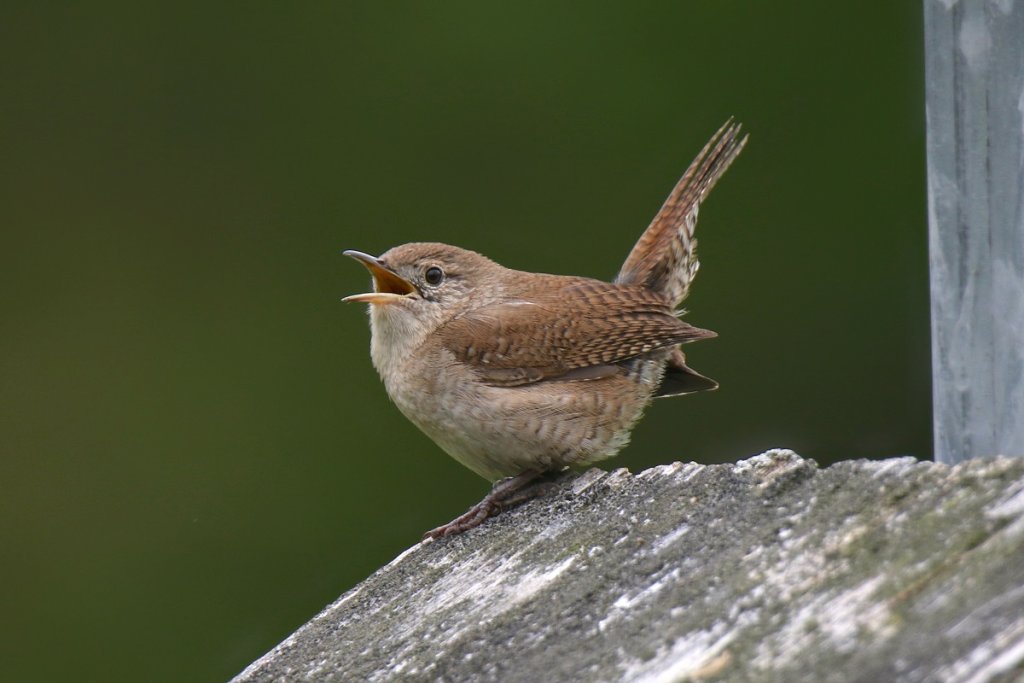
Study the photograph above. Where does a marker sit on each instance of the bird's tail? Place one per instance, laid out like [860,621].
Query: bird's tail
[665,257]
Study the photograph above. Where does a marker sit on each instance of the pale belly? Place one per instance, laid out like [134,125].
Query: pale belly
[503,431]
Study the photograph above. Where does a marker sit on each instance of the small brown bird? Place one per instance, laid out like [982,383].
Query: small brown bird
[519,375]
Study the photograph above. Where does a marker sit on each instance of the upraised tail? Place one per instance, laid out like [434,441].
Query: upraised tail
[664,259]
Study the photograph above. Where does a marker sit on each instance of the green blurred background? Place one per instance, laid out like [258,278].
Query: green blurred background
[196,452]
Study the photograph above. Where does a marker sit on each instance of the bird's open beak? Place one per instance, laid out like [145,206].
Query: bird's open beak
[388,285]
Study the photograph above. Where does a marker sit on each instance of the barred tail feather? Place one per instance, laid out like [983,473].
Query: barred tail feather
[664,259]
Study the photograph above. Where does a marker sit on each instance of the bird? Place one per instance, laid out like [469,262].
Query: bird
[519,375]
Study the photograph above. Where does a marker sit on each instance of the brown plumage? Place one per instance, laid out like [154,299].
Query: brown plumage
[664,259]
[518,374]
[533,338]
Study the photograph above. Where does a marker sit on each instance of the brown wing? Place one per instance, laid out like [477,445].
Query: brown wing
[575,329]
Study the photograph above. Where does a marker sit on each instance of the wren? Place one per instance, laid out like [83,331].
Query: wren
[519,375]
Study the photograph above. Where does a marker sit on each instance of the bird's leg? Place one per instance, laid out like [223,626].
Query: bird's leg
[505,493]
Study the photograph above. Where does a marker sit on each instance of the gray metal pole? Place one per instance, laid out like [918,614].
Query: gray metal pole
[974,64]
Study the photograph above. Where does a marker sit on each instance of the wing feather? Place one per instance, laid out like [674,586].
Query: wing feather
[567,332]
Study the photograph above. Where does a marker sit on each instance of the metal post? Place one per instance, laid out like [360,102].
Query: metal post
[974,59]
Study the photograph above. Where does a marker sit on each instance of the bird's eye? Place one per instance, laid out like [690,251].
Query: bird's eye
[434,275]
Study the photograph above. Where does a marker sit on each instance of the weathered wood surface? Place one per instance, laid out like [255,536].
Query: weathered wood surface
[767,570]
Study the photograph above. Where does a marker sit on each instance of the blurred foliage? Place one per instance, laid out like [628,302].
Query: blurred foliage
[196,452]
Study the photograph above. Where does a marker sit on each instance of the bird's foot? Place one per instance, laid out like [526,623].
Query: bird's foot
[505,494]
